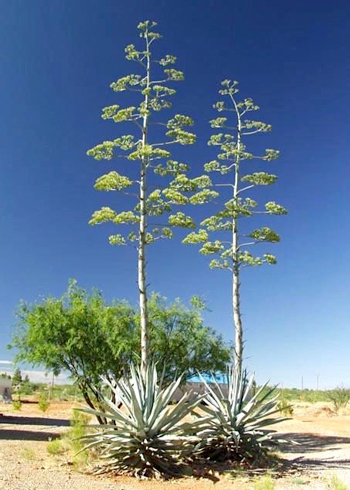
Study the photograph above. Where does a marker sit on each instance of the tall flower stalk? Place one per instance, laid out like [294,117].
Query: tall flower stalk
[220,234]
[146,222]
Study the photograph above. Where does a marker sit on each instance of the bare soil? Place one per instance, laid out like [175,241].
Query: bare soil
[321,449]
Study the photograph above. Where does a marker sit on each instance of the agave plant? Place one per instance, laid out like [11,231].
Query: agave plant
[146,436]
[238,427]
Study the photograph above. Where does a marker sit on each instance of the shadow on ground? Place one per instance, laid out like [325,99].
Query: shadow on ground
[11,428]
[305,446]
[26,435]
[18,420]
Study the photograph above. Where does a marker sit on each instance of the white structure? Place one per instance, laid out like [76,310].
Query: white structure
[5,390]
[198,388]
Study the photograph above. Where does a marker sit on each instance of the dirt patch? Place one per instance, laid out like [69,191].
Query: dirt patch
[320,412]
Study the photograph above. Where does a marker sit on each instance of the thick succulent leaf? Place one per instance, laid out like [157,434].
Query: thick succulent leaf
[148,433]
[238,424]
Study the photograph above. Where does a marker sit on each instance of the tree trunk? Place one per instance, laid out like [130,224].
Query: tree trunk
[142,278]
[142,235]
[101,420]
[237,320]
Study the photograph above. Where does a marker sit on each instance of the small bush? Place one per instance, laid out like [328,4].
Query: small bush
[28,453]
[285,408]
[55,447]
[78,429]
[80,419]
[26,389]
[311,396]
[17,404]
[264,483]
[299,481]
[336,484]
[69,443]
[43,402]
[71,439]
[340,397]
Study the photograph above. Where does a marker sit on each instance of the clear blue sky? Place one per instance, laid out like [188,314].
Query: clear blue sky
[57,60]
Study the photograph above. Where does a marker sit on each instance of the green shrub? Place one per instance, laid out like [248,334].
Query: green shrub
[340,397]
[70,440]
[68,444]
[78,430]
[28,453]
[305,395]
[264,483]
[285,408]
[17,404]
[336,484]
[299,481]
[26,388]
[55,447]
[43,402]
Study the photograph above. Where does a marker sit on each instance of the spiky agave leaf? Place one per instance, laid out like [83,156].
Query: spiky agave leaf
[238,427]
[146,437]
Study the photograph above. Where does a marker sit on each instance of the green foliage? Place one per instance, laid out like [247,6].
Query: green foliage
[212,247]
[55,447]
[181,343]
[104,215]
[43,402]
[152,91]
[78,333]
[221,233]
[171,167]
[61,392]
[264,234]
[232,152]
[17,377]
[285,408]
[79,427]
[305,395]
[335,483]
[148,437]
[17,405]
[260,178]
[299,481]
[81,334]
[273,208]
[265,482]
[69,444]
[28,454]
[180,219]
[340,397]
[26,387]
[239,427]
[112,182]
[199,237]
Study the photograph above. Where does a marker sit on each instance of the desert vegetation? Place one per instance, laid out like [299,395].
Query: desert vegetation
[130,368]
[99,344]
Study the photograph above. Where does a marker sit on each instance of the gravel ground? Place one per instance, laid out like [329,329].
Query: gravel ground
[26,465]
[322,450]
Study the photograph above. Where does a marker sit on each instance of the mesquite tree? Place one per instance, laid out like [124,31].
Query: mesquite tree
[145,221]
[234,251]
